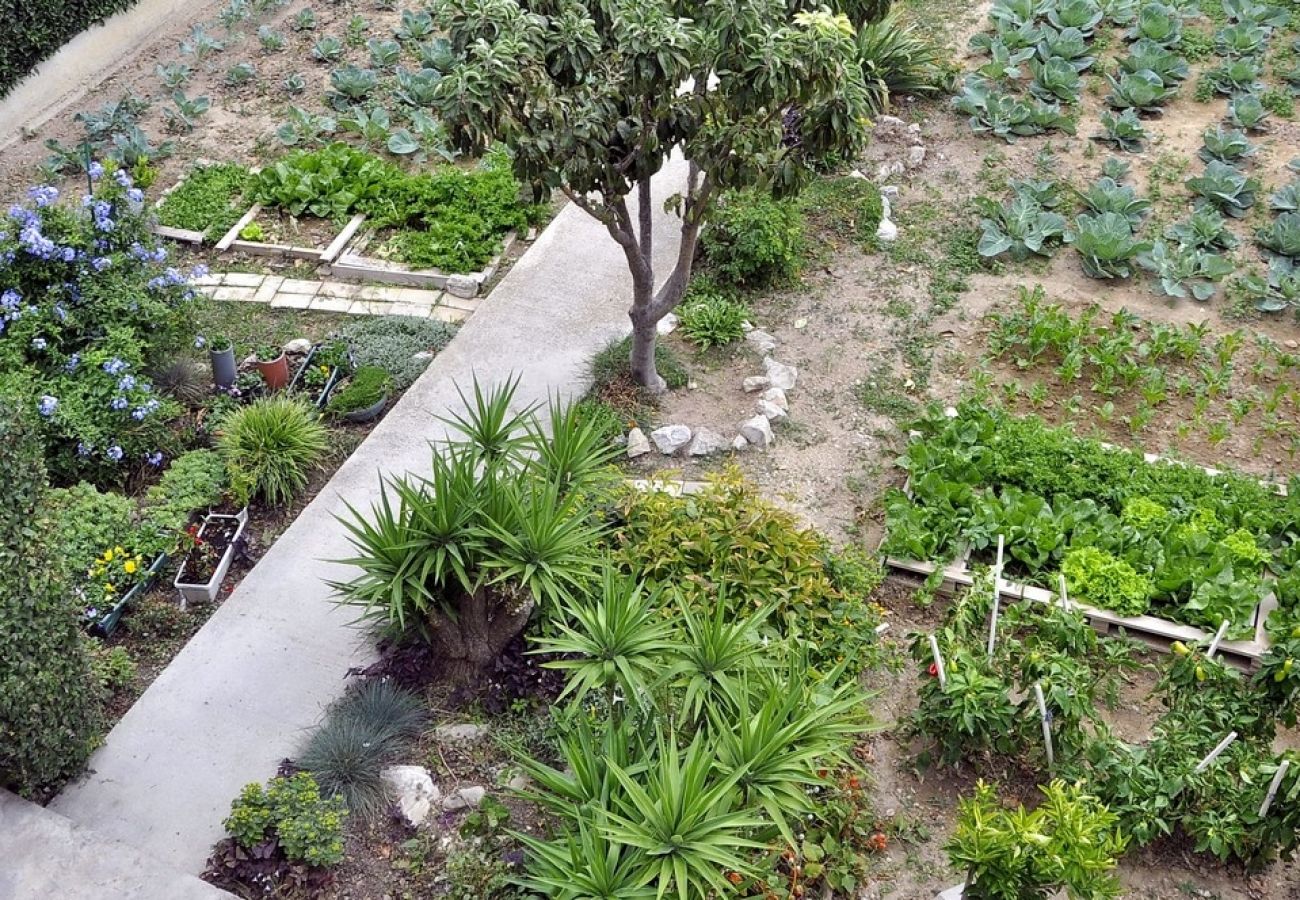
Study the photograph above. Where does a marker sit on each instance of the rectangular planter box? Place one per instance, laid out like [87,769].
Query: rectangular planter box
[354,264]
[232,241]
[107,623]
[1155,632]
[207,592]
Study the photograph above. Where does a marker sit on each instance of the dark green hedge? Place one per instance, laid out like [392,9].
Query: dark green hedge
[31,30]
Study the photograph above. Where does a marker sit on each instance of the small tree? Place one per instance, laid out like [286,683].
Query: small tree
[50,703]
[591,97]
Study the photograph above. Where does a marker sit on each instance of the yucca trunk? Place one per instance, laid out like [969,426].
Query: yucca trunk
[486,621]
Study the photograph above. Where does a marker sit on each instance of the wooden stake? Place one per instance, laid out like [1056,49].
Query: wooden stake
[1214,754]
[1047,724]
[1218,636]
[1272,788]
[938,661]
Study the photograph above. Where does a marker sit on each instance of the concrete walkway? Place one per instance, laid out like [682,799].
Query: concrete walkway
[245,691]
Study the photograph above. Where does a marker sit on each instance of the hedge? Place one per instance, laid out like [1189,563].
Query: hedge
[31,30]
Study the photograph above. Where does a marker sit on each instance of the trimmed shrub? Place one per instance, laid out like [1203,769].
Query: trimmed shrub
[753,240]
[50,700]
[86,521]
[393,342]
[31,32]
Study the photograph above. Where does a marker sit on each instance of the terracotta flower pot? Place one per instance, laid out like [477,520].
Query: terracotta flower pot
[275,373]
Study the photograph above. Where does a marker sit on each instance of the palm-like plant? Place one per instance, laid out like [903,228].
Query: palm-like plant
[587,865]
[686,817]
[715,651]
[618,644]
[464,556]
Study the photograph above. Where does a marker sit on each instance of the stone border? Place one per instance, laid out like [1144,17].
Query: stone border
[336,297]
[355,264]
[1154,631]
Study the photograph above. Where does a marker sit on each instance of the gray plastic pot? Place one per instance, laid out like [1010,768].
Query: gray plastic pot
[223,366]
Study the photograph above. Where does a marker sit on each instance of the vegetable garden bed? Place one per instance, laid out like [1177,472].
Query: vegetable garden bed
[977,477]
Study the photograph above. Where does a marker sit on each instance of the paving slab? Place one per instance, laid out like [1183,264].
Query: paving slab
[46,856]
[249,687]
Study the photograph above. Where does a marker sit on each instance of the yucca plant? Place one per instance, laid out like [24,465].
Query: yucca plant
[617,642]
[463,556]
[685,816]
[587,865]
[715,650]
[271,448]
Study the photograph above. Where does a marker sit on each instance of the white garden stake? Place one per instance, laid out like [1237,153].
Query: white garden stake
[938,661]
[1218,636]
[1065,598]
[997,600]
[1272,788]
[1214,754]
[1047,724]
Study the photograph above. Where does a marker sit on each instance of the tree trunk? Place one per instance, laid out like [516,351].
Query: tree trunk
[486,622]
[644,335]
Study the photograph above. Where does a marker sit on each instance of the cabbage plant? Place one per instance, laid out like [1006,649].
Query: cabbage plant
[1182,271]
[1108,196]
[1158,22]
[1247,111]
[1282,236]
[1148,55]
[1225,188]
[1143,91]
[1125,130]
[1068,44]
[1285,198]
[1055,79]
[1278,290]
[1106,245]
[1020,227]
[1205,229]
[1085,15]
[1225,145]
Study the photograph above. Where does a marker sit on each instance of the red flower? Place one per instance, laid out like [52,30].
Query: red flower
[934,670]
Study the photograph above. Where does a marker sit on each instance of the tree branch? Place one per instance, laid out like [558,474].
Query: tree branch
[645,215]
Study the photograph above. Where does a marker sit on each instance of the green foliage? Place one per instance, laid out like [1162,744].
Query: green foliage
[501,524]
[1008,117]
[847,207]
[609,367]
[1282,236]
[366,387]
[1225,188]
[1023,226]
[113,667]
[50,712]
[28,36]
[1142,91]
[393,342]
[330,183]
[1125,130]
[1069,841]
[207,200]
[753,240]
[363,733]
[711,317]
[291,811]
[195,481]
[270,448]
[898,60]
[1226,146]
[86,521]
[1106,244]
[1098,578]
[1182,271]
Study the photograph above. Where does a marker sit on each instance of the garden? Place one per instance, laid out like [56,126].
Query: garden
[960,551]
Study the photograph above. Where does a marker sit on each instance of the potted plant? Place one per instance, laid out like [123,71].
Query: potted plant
[364,396]
[206,551]
[1068,843]
[273,366]
[321,371]
[221,353]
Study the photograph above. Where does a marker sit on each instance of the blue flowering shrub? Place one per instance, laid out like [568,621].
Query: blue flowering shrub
[87,304]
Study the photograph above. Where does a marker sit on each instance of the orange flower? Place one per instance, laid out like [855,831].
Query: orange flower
[735,877]
[878,842]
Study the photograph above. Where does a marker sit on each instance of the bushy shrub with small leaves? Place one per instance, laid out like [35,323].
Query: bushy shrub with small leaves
[307,827]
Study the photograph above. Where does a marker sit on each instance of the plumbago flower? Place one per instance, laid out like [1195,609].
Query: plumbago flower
[89,301]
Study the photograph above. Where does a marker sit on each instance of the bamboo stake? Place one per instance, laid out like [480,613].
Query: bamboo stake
[1272,788]
[1047,724]
[938,661]
[1218,636]
[1214,754]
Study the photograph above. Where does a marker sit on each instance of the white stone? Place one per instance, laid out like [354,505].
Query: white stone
[777,397]
[770,411]
[889,192]
[761,340]
[1290,344]
[297,345]
[520,782]
[888,123]
[800,324]
[889,170]
[886,208]
[465,798]
[739,443]
[779,375]
[414,790]
[956,892]
[422,355]
[671,438]
[886,232]
[668,324]
[461,734]
[755,383]
[914,128]
[915,157]
[637,443]
[462,286]
[758,431]
[706,442]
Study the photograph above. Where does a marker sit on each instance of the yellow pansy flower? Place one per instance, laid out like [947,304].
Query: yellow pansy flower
[129,567]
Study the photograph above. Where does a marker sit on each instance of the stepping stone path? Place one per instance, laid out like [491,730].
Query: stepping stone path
[337,296]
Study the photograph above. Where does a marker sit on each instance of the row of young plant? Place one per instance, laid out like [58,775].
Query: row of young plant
[710,650]
[1208,772]
[450,218]
[1128,536]
[1141,368]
